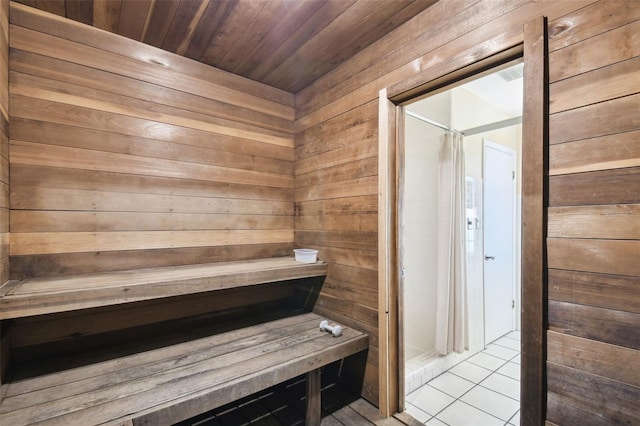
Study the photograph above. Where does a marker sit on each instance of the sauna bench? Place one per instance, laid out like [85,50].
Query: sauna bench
[176,382]
[73,292]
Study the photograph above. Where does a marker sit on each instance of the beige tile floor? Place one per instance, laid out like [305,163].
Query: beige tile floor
[483,390]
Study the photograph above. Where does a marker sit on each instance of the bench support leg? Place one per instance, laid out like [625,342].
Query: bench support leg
[314,415]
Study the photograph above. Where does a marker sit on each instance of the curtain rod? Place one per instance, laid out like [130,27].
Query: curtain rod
[433,123]
[474,130]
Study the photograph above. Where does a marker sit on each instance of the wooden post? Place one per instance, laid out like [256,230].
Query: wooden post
[314,414]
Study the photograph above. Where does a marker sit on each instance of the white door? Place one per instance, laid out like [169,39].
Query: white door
[499,240]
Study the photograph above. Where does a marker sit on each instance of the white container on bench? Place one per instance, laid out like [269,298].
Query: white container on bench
[306,255]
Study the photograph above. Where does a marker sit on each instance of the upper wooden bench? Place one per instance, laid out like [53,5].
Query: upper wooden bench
[50,295]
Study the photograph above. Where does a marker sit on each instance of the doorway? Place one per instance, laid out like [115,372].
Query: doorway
[492,146]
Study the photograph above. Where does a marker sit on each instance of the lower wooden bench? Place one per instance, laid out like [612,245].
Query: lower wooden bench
[176,382]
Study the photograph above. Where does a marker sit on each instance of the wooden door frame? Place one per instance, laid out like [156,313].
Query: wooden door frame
[532,47]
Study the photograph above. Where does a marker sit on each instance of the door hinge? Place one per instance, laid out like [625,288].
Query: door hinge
[513,175]
[513,304]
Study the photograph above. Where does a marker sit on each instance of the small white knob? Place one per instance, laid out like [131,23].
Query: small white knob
[336,330]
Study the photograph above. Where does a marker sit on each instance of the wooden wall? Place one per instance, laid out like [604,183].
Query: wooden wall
[4,173]
[125,156]
[593,217]
[4,141]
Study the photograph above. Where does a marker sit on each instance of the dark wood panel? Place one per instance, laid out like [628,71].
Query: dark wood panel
[133,17]
[606,291]
[605,118]
[618,257]
[566,410]
[605,401]
[616,151]
[602,359]
[618,221]
[44,265]
[596,52]
[80,325]
[604,325]
[600,187]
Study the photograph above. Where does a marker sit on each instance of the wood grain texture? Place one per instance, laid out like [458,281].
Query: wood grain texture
[617,186]
[604,325]
[616,151]
[586,398]
[111,134]
[618,221]
[603,359]
[618,257]
[49,295]
[176,382]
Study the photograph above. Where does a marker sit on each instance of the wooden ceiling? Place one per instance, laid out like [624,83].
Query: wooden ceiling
[284,43]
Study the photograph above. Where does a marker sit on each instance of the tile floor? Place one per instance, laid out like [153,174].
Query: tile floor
[483,390]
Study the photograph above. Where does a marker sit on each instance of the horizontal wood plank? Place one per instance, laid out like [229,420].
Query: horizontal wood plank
[602,84]
[600,400]
[617,151]
[618,257]
[596,52]
[601,119]
[82,221]
[592,20]
[40,296]
[602,359]
[29,153]
[606,291]
[51,265]
[618,221]
[604,325]
[617,186]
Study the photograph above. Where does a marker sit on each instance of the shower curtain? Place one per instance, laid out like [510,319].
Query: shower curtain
[452,329]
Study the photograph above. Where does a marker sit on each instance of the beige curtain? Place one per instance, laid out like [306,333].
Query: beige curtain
[452,329]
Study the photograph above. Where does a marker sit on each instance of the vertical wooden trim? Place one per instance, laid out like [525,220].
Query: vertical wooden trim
[387,268]
[534,171]
[313,415]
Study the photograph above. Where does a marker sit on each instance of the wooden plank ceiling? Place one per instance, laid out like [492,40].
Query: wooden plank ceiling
[286,44]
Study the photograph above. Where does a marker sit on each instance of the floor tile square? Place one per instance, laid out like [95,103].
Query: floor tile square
[435,422]
[417,413]
[429,399]
[451,384]
[491,402]
[487,361]
[472,372]
[500,351]
[510,369]
[508,343]
[514,335]
[502,384]
[515,420]
[461,414]
[516,359]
